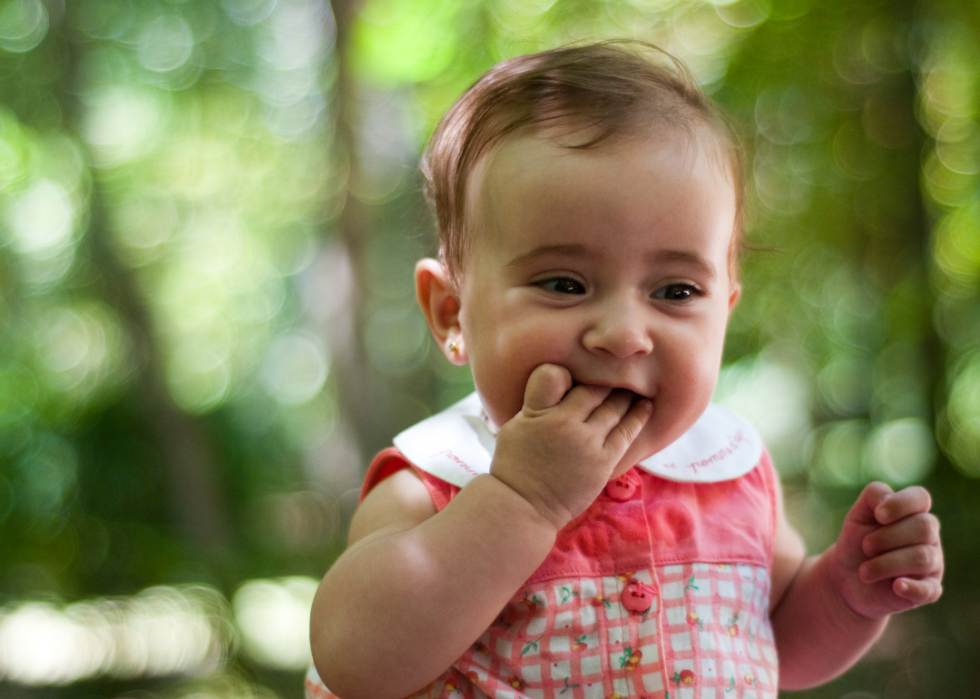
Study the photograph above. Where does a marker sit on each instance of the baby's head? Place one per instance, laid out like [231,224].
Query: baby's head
[604,91]
[589,205]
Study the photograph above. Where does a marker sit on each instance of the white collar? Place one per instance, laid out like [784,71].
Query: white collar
[456,445]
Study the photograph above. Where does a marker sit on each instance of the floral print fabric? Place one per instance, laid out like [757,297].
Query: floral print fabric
[705,635]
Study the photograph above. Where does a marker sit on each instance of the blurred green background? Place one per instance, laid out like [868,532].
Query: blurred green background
[209,214]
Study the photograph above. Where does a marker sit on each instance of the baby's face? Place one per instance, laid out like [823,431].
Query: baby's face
[612,262]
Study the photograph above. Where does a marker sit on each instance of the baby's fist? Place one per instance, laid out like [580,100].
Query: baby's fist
[559,451]
[888,557]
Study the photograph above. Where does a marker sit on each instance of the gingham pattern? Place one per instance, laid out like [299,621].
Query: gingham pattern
[707,636]
[314,686]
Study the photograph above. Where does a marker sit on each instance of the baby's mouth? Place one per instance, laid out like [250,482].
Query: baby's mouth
[634,396]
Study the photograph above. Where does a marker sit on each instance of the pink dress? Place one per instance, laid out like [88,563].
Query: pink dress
[659,589]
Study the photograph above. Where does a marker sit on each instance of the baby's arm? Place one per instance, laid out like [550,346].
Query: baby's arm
[416,588]
[887,559]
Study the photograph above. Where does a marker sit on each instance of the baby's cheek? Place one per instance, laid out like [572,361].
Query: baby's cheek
[500,407]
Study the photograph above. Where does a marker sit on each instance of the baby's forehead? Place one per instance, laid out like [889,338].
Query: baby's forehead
[526,158]
[555,191]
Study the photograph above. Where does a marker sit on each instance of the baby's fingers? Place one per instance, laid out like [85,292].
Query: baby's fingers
[611,411]
[623,434]
[546,386]
[918,592]
[921,528]
[904,503]
[919,562]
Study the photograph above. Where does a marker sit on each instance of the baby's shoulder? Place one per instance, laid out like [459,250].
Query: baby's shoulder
[397,501]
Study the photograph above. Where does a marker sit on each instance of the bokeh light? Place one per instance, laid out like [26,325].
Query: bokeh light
[23,25]
[900,452]
[772,394]
[161,631]
[81,350]
[274,619]
[295,368]
[123,123]
[165,44]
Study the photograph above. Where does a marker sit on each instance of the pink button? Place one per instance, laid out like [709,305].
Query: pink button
[638,597]
[622,489]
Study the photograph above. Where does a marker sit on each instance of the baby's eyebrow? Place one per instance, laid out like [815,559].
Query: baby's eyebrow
[684,257]
[542,250]
[688,258]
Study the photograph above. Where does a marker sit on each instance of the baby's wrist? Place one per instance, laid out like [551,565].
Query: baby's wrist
[538,507]
[837,576]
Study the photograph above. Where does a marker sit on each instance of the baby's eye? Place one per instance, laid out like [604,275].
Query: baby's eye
[563,285]
[677,292]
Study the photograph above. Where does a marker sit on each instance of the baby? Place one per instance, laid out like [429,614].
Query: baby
[586,524]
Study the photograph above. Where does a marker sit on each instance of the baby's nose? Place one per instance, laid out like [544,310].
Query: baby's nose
[622,334]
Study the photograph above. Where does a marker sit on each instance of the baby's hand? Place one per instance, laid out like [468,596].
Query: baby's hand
[561,449]
[888,557]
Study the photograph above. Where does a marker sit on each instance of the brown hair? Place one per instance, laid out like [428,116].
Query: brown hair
[608,88]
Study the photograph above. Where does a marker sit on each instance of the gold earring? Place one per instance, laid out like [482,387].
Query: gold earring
[453,347]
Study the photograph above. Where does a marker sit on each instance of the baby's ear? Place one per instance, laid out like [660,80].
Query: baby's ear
[439,302]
